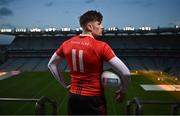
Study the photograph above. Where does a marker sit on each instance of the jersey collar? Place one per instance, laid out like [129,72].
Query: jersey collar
[87,35]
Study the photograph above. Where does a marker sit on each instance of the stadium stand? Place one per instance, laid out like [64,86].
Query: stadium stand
[138,51]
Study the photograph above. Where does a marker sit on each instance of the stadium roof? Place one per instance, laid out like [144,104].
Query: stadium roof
[76,31]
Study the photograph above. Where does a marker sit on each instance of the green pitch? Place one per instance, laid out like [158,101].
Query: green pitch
[37,84]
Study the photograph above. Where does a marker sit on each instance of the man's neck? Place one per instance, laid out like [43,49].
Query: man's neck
[87,34]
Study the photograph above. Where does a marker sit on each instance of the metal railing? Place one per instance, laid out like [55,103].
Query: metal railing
[139,105]
[39,103]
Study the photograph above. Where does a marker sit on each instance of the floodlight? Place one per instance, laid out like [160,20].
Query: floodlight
[20,30]
[145,28]
[79,29]
[128,28]
[112,29]
[35,30]
[50,29]
[65,29]
[6,30]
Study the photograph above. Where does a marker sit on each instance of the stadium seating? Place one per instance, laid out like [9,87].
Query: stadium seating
[138,52]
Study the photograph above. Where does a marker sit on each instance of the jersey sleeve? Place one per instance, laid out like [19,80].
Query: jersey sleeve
[107,52]
[59,51]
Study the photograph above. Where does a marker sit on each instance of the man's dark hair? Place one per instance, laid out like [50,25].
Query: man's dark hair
[89,16]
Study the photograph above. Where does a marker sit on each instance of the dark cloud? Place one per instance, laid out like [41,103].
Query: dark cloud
[146,4]
[5,2]
[142,3]
[49,4]
[89,1]
[6,12]
[66,12]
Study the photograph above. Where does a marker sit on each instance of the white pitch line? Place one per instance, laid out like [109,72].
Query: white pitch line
[163,87]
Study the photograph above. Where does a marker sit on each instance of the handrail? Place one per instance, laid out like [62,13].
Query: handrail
[39,105]
[139,105]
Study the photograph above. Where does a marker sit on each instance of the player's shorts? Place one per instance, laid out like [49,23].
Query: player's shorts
[86,105]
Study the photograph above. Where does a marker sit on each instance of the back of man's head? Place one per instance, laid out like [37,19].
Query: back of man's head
[89,16]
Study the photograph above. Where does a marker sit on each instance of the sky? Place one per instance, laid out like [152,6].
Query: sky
[65,13]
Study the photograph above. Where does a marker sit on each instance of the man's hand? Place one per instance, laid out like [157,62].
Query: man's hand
[120,96]
[68,87]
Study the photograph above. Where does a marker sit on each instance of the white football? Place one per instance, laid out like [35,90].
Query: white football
[110,79]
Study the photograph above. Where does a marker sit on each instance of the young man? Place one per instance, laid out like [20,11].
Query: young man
[85,55]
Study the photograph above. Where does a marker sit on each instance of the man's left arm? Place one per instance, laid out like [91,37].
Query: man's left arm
[124,73]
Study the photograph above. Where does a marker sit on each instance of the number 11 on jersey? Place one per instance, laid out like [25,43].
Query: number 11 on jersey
[80,57]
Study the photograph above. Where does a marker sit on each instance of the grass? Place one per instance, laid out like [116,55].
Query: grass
[37,84]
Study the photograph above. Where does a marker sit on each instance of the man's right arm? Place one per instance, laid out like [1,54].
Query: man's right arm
[53,66]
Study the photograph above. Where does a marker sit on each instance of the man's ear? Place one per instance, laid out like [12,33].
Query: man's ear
[89,27]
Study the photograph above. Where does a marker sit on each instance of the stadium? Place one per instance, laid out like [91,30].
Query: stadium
[152,55]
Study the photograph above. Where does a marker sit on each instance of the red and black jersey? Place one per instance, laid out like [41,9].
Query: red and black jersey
[85,56]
